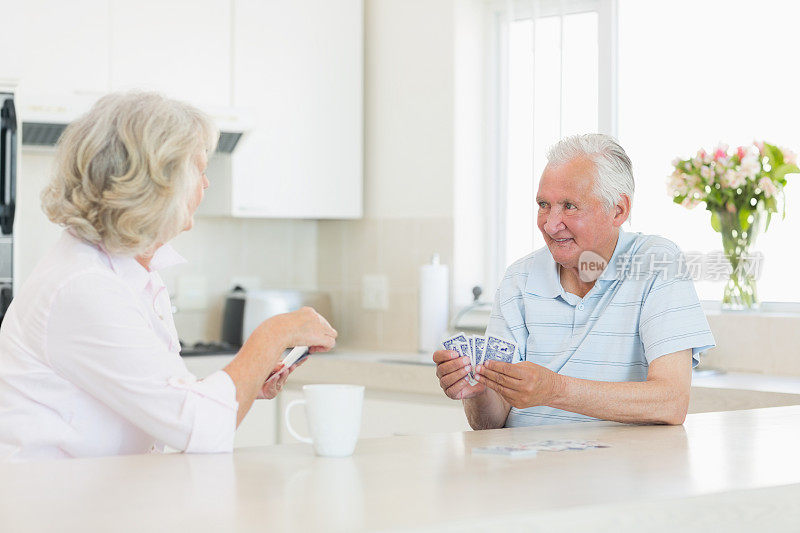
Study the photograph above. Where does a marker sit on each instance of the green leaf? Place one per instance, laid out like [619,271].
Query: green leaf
[771,204]
[769,218]
[744,214]
[715,222]
[781,171]
[783,208]
[775,155]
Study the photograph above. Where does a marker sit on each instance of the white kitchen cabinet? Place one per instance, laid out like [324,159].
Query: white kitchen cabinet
[385,415]
[59,47]
[299,67]
[180,48]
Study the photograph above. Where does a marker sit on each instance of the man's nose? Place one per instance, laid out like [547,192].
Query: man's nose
[554,222]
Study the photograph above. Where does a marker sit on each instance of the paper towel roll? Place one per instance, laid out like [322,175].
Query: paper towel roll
[434,303]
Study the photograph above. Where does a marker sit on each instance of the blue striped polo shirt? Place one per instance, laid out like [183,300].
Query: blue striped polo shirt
[642,306]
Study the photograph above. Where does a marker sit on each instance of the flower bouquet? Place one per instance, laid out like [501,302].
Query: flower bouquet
[742,189]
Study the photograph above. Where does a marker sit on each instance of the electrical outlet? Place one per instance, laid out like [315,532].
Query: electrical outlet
[375,292]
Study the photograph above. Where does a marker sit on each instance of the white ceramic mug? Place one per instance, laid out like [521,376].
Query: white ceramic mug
[334,418]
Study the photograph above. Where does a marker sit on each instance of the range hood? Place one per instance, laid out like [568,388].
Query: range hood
[44,119]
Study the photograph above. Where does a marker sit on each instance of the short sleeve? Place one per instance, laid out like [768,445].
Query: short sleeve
[672,319]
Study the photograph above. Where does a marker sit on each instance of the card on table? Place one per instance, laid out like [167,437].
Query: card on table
[519,450]
[531,448]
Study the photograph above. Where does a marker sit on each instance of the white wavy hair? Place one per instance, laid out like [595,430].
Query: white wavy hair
[614,169]
[126,170]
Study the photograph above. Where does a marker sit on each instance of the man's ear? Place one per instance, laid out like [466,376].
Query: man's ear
[622,210]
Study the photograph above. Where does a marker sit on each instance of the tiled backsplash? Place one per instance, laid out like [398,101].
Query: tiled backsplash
[396,248]
[279,253]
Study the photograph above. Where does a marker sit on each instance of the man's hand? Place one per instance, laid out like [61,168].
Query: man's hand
[452,371]
[522,385]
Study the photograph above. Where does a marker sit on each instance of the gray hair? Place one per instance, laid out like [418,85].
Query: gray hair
[614,169]
[126,170]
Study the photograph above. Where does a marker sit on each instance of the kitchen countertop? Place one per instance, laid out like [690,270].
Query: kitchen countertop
[731,471]
[411,372]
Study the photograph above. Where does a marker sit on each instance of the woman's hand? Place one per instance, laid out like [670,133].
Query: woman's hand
[304,327]
[275,383]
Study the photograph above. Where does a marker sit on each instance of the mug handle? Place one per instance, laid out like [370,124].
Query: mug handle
[292,432]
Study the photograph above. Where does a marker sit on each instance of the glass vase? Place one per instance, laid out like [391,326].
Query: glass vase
[740,292]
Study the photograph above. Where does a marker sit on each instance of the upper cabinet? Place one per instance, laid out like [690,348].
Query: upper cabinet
[298,66]
[181,48]
[295,67]
[56,47]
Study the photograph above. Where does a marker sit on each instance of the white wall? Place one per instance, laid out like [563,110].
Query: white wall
[409,81]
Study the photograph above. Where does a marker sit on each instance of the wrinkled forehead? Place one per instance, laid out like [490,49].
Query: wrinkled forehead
[573,179]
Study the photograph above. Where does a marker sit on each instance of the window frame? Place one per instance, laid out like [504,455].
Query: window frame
[501,13]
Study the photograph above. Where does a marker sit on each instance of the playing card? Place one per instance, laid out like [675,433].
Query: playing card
[519,450]
[498,349]
[455,340]
[530,448]
[480,348]
[460,344]
[471,340]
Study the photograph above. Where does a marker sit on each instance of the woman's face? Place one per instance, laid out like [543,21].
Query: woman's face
[202,184]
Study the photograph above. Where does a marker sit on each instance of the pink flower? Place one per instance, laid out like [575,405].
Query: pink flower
[740,152]
[730,207]
[789,156]
[760,146]
[766,185]
[690,202]
[719,154]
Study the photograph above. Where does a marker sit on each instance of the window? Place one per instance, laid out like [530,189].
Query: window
[692,74]
[554,60]
[686,75]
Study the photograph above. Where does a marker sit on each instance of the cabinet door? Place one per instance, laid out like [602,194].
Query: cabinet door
[299,67]
[384,416]
[59,47]
[178,47]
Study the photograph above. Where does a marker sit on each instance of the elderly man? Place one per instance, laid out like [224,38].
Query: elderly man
[607,323]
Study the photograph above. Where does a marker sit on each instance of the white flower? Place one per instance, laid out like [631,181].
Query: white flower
[677,184]
[766,185]
[706,172]
[733,180]
[690,202]
[750,166]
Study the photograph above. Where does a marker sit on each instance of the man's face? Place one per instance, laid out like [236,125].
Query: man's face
[571,217]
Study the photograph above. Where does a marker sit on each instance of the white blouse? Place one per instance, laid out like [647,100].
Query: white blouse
[90,363]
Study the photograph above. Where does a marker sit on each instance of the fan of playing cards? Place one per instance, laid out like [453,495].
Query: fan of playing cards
[480,349]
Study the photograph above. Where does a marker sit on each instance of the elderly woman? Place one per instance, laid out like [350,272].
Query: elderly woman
[89,355]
